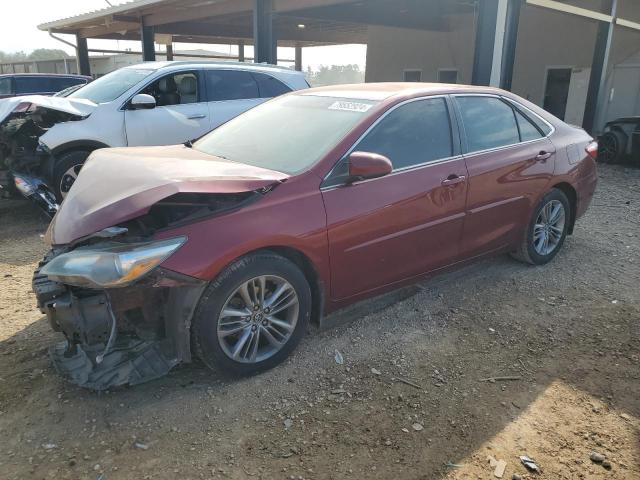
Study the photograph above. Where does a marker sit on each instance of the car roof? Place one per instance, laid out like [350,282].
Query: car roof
[389,90]
[37,74]
[213,64]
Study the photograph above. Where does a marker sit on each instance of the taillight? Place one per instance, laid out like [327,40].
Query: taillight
[592,150]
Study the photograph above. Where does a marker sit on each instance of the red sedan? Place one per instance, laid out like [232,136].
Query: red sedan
[228,247]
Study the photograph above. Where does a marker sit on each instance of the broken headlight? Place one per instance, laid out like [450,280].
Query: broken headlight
[113,265]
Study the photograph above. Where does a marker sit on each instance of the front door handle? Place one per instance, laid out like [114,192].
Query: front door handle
[543,156]
[453,179]
[196,116]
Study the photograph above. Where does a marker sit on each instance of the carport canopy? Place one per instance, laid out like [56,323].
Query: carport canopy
[264,23]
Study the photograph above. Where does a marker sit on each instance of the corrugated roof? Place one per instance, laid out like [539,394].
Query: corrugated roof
[116,9]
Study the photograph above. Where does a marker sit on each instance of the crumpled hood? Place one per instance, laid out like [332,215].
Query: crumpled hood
[119,184]
[74,106]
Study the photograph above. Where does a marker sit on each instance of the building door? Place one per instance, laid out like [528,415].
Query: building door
[577,99]
[556,91]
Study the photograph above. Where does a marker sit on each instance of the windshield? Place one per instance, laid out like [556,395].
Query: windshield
[112,85]
[287,134]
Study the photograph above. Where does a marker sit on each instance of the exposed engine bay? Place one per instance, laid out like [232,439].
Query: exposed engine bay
[26,164]
[125,336]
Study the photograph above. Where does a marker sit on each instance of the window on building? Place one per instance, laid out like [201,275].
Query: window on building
[448,76]
[231,85]
[488,122]
[413,75]
[528,130]
[269,86]
[412,134]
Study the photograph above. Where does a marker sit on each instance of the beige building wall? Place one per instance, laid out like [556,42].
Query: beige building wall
[546,39]
[391,51]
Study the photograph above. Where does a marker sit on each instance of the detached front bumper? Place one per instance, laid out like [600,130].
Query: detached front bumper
[123,335]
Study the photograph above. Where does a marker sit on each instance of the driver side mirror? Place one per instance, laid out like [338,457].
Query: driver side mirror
[142,101]
[365,165]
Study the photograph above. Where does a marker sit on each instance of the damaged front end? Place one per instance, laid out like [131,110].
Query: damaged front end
[123,323]
[126,318]
[26,164]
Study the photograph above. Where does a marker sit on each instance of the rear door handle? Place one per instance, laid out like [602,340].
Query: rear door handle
[543,156]
[196,116]
[453,179]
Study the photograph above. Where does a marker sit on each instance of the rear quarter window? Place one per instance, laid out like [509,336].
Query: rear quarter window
[488,123]
[270,86]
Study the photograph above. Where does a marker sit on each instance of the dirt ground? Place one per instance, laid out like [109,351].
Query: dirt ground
[568,331]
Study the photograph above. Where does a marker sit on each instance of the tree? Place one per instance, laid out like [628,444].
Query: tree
[335,74]
[37,54]
[48,54]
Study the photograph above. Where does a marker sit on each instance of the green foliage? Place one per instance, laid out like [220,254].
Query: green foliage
[335,74]
[37,54]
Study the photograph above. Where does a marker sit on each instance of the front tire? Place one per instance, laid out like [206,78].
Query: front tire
[547,229]
[66,171]
[253,315]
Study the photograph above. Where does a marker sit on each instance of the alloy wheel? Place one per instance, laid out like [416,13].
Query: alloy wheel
[258,319]
[68,179]
[608,148]
[549,227]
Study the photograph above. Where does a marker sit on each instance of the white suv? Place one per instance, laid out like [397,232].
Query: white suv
[155,103]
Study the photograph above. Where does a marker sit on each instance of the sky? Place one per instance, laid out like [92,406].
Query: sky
[20,18]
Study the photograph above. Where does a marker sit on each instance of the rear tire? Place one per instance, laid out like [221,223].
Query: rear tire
[254,329]
[547,229]
[66,171]
[612,147]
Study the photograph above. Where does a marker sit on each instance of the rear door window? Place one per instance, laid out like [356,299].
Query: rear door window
[225,85]
[269,86]
[488,123]
[25,85]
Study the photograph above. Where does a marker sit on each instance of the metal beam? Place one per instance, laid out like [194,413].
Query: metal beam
[485,42]
[147,39]
[597,80]
[246,32]
[510,42]
[198,13]
[93,32]
[263,39]
[241,51]
[298,63]
[563,7]
[169,52]
[82,56]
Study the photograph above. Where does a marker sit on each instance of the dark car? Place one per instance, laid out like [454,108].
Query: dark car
[620,142]
[227,248]
[16,84]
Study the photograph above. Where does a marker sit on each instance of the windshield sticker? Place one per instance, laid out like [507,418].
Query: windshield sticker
[350,106]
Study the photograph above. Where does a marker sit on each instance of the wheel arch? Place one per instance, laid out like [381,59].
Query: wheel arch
[78,145]
[572,196]
[64,148]
[304,263]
